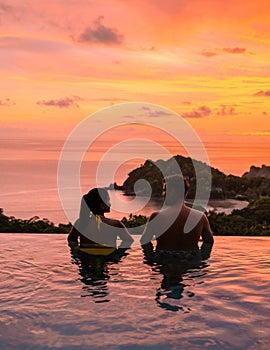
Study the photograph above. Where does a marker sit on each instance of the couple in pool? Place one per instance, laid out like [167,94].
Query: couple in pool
[98,233]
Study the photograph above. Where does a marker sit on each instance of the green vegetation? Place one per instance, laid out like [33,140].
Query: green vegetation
[34,225]
[223,186]
[134,220]
[37,225]
[254,220]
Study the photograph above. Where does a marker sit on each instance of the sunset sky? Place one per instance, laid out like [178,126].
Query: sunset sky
[208,61]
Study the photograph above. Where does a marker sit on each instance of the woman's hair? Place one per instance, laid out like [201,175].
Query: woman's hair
[94,198]
[91,203]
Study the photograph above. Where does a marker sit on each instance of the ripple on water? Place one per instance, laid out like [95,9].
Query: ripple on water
[49,299]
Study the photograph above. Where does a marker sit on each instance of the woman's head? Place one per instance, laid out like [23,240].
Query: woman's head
[98,201]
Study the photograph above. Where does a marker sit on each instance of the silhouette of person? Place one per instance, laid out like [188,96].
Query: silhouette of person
[174,241]
[97,234]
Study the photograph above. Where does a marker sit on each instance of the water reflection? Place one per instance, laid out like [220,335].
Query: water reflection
[94,271]
[179,277]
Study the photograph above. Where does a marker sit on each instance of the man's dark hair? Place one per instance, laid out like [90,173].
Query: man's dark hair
[175,181]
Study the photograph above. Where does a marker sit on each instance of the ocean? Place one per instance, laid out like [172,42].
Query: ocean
[29,176]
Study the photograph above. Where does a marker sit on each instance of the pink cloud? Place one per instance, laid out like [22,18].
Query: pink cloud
[236,50]
[99,33]
[32,44]
[186,103]
[208,53]
[6,103]
[155,113]
[66,102]
[200,112]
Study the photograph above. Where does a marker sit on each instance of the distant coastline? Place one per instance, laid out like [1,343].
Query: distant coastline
[252,189]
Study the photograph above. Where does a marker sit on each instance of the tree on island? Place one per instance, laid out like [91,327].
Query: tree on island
[222,186]
[254,220]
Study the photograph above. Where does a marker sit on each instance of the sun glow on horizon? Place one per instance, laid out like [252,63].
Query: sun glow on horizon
[207,62]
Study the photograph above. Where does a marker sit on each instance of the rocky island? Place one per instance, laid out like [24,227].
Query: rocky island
[250,186]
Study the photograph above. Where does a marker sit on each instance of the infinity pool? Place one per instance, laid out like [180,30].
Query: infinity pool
[50,299]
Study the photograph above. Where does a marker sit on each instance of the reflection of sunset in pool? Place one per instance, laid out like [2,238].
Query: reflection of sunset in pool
[51,298]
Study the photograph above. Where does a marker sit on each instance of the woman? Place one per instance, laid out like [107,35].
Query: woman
[94,231]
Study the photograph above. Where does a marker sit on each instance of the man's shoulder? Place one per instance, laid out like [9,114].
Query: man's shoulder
[154,214]
[198,214]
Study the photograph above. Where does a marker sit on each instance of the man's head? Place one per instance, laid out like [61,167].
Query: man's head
[175,189]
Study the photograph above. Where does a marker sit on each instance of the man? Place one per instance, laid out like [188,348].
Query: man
[173,219]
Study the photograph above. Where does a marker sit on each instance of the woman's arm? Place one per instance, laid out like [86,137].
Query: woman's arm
[125,236]
[74,234]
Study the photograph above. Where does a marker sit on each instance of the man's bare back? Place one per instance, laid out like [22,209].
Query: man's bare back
[174,238]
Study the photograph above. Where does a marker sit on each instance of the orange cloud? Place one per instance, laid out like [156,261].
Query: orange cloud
[226,110]
[252,133]
[262,93]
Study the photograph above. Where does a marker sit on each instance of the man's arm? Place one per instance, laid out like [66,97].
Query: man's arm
[208,239]
[207,234]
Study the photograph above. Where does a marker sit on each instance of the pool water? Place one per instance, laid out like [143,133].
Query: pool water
[52,299]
